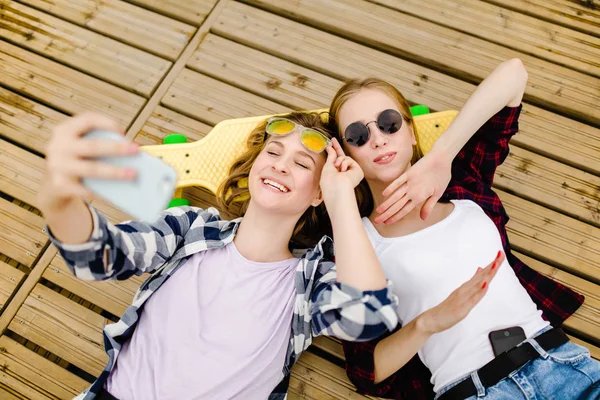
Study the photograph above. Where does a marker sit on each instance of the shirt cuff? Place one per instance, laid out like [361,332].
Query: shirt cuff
[93,243]
[366,308]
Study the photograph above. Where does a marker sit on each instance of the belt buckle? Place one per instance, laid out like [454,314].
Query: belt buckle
[518,361]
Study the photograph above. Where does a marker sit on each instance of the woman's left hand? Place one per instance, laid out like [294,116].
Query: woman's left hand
[424,182]
[340,171]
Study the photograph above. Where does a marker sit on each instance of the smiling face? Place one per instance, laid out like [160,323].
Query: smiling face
[384,157]
[284,178]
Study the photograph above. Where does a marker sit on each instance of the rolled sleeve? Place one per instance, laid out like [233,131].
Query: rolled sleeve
[348,313]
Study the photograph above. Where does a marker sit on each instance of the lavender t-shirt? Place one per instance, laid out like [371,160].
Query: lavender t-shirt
[219,328]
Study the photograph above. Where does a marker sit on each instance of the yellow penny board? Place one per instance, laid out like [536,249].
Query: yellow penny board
[206,162]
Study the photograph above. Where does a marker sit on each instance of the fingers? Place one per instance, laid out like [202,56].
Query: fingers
[404,205]
[337,147]
[483,276]
[428,206]
[396,184]
[94,148]
[100,170]
[81,124]
[408,207]
[331,156]
[399,194]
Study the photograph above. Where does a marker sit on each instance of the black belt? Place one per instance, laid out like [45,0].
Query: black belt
[505,363]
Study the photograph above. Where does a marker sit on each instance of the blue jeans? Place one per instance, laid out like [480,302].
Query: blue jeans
[564,373]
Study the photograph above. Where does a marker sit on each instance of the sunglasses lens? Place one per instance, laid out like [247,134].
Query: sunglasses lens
[313,140]
[280,127]
[356,134]
[389,121]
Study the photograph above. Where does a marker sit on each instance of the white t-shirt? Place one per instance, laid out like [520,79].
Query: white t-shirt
[428,265]
[219,328]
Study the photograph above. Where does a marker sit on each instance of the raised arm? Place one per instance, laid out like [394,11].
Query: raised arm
[352,299]
[93,248]
[504,87]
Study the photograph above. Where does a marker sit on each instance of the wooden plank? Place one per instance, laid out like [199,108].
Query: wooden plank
[12,395]
[10,278]
[550,134]
[26,122]
[136,26]
[559,138]
[31,375]
[212,101]
[190,11]
[178,66]
[21,236]
[553,237]
[315,377]
[263,74]
[63,327]
[586,320]
[66,89]
[517,31]
[164,121]
[21,172]
[28,284]
[552,184]
[329,345]
[82,49]
[581,15]
[113,296]
[552,86]
[594,351]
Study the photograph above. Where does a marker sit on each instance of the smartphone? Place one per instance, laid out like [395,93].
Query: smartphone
[143,198]
[505,339]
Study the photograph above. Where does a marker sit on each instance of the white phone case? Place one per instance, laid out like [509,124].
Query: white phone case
[143,198]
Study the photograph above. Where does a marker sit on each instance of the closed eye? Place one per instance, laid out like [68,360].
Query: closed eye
[302,165]
[272,153]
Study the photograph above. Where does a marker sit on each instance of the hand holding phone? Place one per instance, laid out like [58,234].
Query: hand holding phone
[80,163]
[144,197]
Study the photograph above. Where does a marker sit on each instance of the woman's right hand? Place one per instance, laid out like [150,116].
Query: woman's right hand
[70,157]
[460,302]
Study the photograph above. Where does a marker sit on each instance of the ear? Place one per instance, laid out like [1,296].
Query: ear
[412,135]
[318,200]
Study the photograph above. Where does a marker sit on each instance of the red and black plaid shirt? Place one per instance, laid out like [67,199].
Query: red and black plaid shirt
[472,176]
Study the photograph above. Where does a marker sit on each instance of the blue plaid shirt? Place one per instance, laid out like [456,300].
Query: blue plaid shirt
[323,306]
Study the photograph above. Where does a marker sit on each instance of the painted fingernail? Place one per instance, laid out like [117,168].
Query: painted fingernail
[499,254]
[484,285]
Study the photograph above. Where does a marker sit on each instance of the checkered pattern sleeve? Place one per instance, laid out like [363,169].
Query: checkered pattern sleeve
[348,313]
[134,247]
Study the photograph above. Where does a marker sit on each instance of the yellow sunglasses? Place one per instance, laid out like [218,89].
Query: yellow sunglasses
[311,139]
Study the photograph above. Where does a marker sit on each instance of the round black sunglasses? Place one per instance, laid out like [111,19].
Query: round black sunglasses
[388,121]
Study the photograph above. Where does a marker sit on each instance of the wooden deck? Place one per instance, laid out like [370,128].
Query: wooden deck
[182,66]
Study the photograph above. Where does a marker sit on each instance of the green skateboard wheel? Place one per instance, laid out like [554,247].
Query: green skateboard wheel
[419,109]
[178,202]
[174,138]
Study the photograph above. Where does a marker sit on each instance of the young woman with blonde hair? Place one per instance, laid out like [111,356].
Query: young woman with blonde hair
[432,223]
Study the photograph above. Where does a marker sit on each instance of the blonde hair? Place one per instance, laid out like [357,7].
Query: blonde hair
[233,196]
[364,196]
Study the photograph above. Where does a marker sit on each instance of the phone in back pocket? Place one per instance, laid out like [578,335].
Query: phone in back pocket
[143,198]
[505,339]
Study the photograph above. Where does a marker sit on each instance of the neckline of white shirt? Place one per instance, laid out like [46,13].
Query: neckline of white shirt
[372,231]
